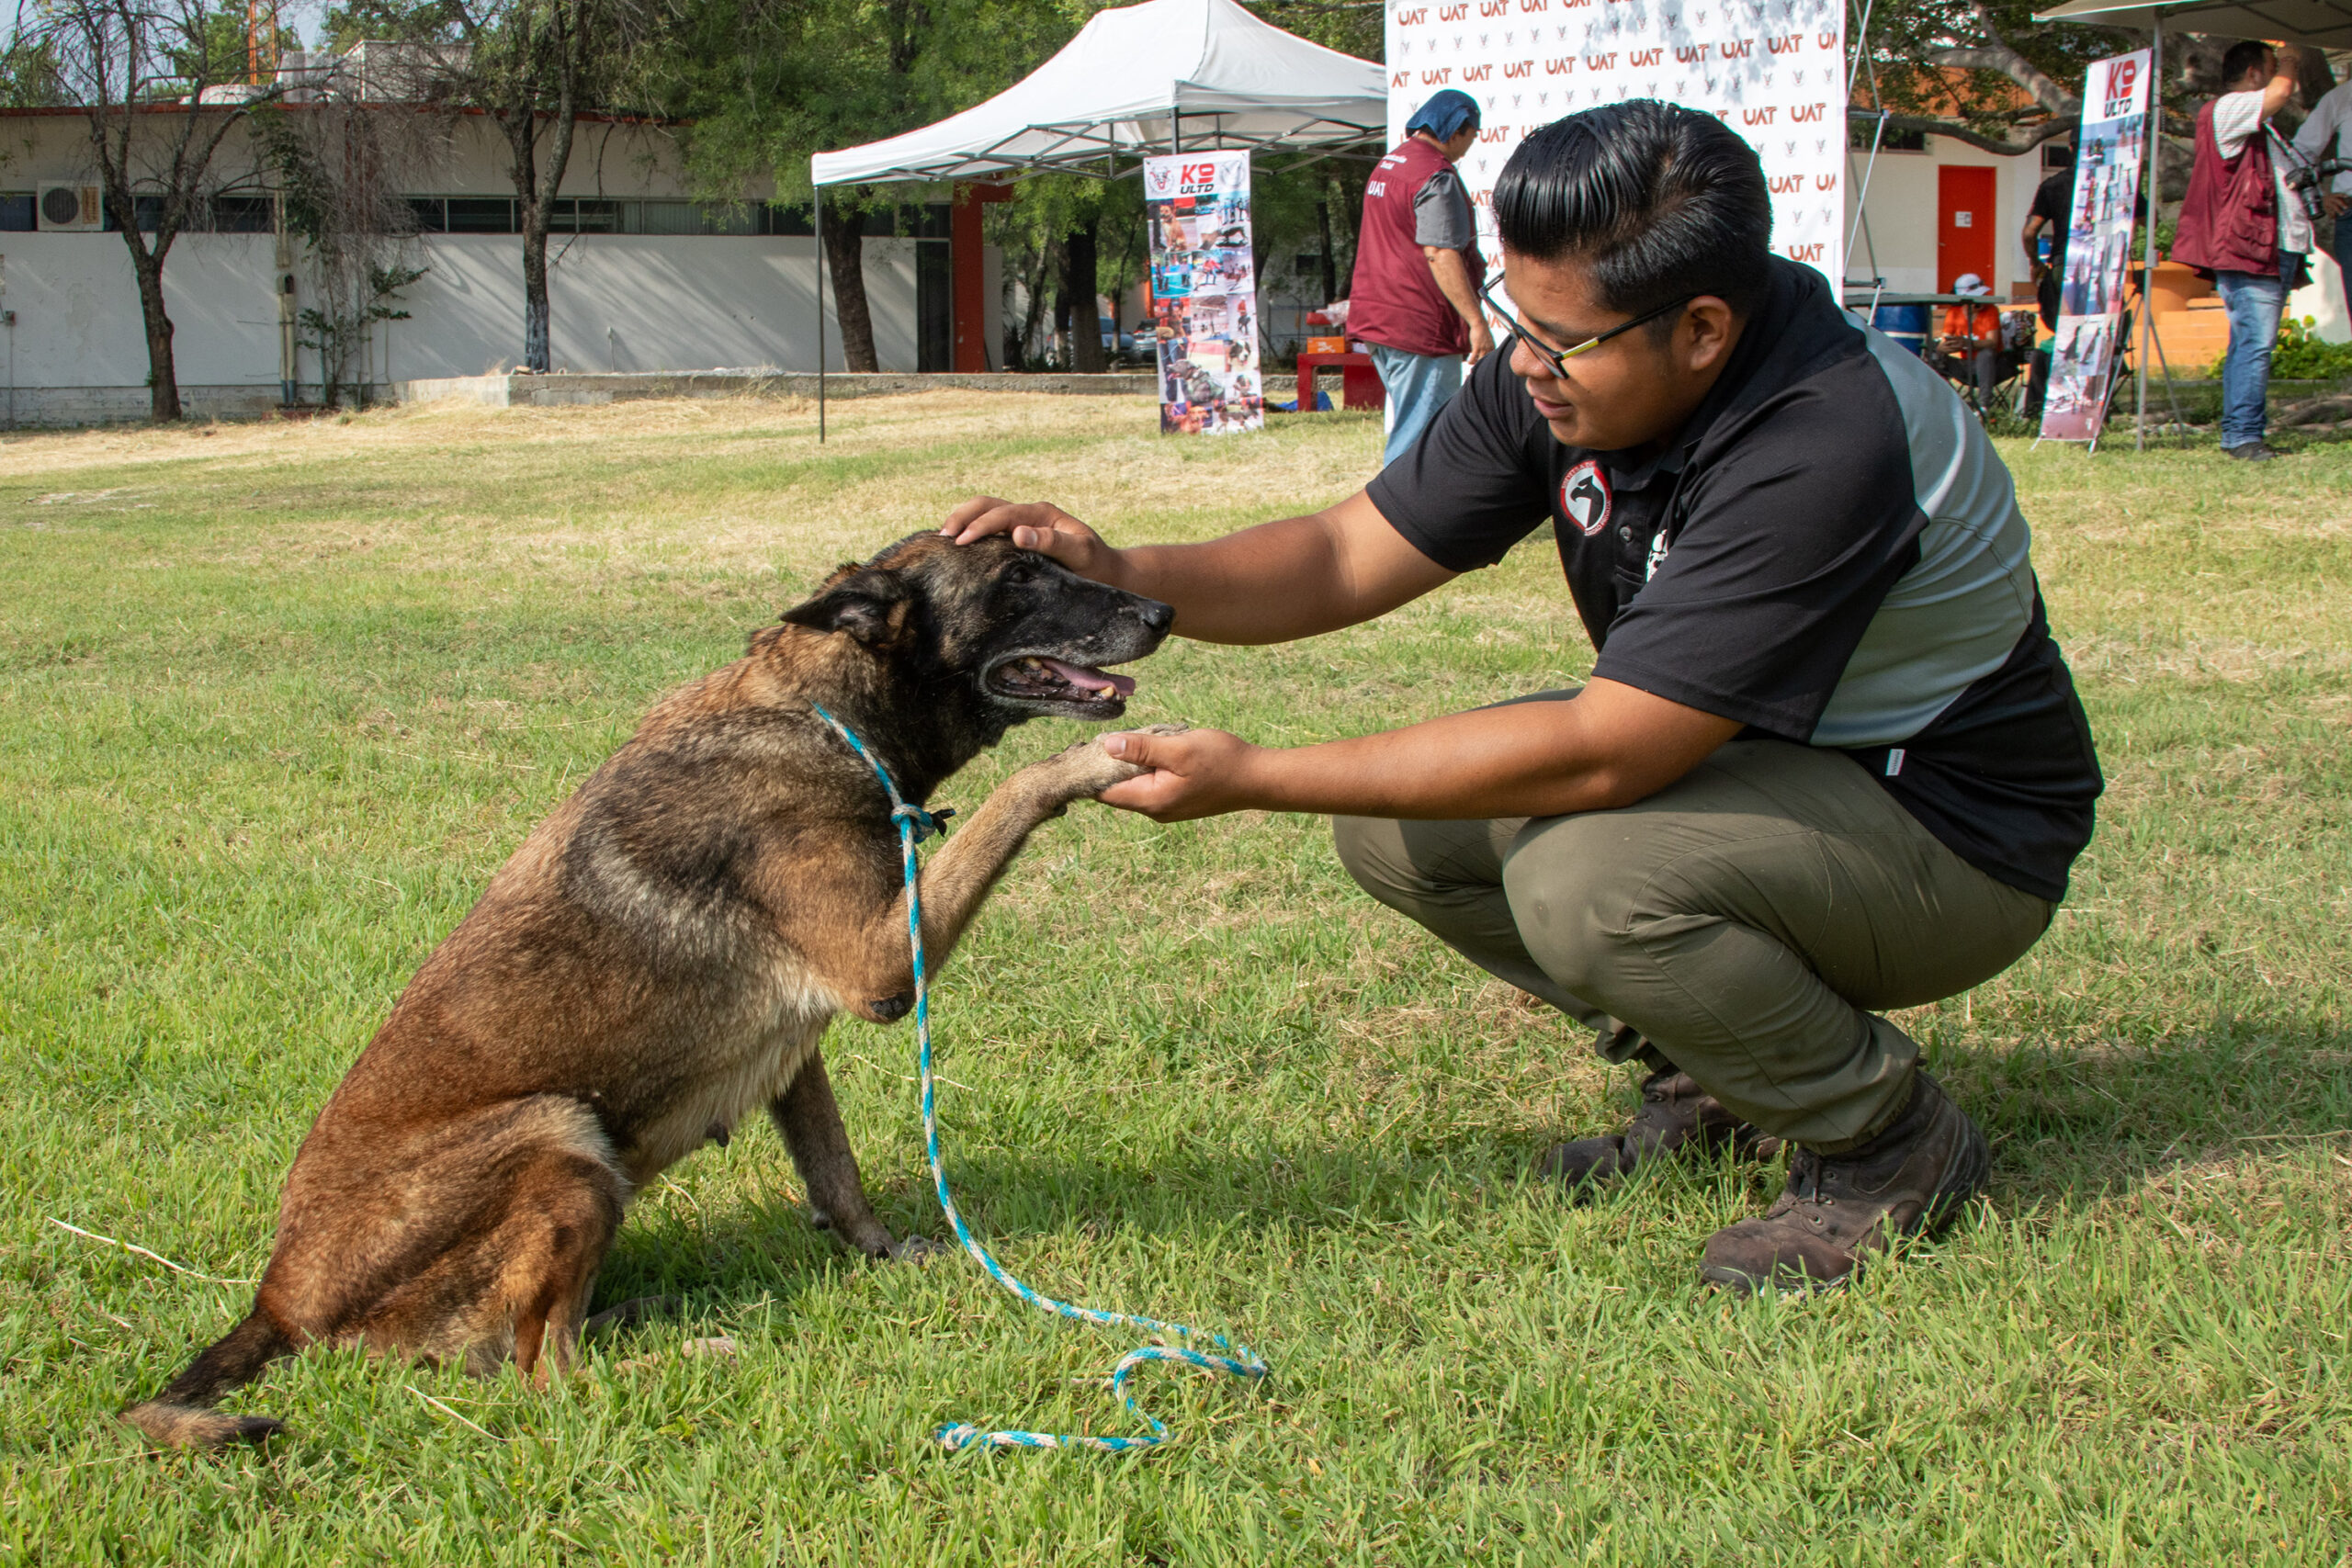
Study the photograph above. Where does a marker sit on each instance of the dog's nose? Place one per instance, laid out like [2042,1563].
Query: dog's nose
[1155,614]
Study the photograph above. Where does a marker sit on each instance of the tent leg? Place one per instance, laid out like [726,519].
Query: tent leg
[817,209]
[2148,268]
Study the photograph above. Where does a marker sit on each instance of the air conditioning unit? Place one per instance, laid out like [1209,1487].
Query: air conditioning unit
[67,209]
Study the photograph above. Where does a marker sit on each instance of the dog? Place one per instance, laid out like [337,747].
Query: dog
[661,956]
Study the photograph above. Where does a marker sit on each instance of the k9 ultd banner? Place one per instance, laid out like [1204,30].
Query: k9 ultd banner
[1773,70]
[2099,248]
[1204,292]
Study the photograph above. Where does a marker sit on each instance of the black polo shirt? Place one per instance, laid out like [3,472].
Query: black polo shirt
[1830,552]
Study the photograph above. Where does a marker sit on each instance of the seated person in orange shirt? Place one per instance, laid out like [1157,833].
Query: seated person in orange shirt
[1970,337]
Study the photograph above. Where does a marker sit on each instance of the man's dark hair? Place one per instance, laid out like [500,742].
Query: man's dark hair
[1659,201]
[2246,55]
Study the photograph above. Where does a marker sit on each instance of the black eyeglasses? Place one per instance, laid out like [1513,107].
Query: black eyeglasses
[1557,358]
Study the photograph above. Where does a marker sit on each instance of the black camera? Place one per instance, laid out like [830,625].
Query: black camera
[2309,180]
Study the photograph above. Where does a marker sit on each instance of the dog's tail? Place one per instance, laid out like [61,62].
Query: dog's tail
[182,1416]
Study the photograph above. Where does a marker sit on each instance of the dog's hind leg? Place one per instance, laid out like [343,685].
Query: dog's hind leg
[533,1206]
[566,1209]
[811,1125]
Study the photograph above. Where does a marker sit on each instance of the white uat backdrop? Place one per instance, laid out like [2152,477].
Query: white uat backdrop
[1773,70]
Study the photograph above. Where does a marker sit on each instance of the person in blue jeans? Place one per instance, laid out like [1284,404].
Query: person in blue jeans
[2242,226]
[1417,271]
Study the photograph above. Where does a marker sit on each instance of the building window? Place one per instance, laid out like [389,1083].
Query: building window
[934,306]
[17,215]
[671,218]
[242,215]
[482,215]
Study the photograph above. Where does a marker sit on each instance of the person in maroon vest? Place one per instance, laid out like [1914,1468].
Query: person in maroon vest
[1415,298]
[2240,226]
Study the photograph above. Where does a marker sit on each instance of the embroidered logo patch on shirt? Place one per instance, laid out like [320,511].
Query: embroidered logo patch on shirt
[1584,497]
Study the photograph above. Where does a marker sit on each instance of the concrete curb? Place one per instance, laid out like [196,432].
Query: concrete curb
[567,388]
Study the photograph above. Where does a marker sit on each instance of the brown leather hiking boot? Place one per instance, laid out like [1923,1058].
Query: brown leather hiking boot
[1909,1179]
[1676,1116]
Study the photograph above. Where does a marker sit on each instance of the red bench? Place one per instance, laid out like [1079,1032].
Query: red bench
[1358,380]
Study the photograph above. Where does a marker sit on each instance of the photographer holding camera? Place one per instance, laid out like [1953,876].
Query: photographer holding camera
[2243,226]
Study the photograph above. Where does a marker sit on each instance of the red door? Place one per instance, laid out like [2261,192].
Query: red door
[1964,224]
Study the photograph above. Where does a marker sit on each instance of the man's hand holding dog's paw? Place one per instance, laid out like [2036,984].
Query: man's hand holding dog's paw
[1175,774]
[1084,771]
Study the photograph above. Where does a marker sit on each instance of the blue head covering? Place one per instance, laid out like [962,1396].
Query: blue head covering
[1444,115]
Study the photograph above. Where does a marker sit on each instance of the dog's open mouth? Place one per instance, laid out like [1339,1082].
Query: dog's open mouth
[1036,678]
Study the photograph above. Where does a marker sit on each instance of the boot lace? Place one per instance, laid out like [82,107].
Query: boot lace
[1804,1175]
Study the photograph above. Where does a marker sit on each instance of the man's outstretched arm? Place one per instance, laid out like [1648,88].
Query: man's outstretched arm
[1610,746]
[1272,584]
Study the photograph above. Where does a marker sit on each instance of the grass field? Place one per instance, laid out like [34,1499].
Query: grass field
[274,702]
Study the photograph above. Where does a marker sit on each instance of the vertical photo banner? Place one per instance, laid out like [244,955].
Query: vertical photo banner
[1772,69]
[1204,292]
[2099,248]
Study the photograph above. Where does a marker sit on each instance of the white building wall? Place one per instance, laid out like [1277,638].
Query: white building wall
[628,302]
[1903,213]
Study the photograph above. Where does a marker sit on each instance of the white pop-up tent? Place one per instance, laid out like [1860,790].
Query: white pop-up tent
[2325,24]
[1163,76]
[1167,75]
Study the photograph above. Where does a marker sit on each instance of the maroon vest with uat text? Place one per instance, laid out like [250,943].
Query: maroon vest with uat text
[1393,299]
[2229,221]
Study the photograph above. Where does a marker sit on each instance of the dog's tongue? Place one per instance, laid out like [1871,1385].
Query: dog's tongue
[1091,680]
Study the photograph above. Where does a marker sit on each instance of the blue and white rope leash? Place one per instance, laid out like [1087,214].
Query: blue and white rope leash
[914,825]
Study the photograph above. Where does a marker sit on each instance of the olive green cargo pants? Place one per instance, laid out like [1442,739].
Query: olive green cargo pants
[1747,923]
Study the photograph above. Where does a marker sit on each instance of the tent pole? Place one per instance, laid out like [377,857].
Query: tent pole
[2148,266]
[817,208]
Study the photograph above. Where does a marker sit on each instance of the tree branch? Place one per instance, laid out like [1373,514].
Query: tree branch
[1995,54]
[1974,137]
[2008,63]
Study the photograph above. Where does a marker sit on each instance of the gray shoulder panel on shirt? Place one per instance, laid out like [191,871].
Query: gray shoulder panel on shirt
[1442,213]
[1955,617]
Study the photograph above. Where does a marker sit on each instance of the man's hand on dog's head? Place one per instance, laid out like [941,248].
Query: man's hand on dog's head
[1188,775]
[1037,526]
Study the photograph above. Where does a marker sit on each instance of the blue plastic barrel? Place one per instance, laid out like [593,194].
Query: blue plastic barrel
[1906,324]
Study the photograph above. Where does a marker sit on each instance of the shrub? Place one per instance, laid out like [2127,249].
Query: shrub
[2302,357]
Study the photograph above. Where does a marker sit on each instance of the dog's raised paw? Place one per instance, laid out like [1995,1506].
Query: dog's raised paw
[1086,769]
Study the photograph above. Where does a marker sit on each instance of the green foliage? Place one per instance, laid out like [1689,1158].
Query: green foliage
[338,336]
[764,84]
[28,78]
[1904,41]
[2303,355]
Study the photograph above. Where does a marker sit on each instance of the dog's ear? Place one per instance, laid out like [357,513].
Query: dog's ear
[871,604]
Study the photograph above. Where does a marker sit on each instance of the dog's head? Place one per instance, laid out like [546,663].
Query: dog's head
[1020,634]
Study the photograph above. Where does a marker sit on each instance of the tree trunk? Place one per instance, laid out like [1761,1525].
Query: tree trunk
[535,356]
[1079,305]
[845,262]
[162,377]
[1048,255]
[1331,262]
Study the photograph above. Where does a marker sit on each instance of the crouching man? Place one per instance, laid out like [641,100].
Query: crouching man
[1829,762]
